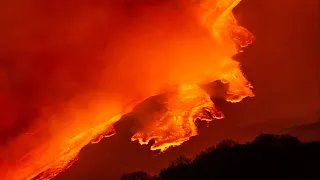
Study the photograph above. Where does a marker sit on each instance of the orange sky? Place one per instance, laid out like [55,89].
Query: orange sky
[282,65]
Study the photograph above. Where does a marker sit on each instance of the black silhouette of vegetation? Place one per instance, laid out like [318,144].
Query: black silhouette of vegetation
[139,175]
[266,157]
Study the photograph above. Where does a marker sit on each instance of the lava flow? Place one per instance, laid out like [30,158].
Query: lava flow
[177,125]
[109,56]
[190,103]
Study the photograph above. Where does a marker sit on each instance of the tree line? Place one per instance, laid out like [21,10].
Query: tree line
[266,157]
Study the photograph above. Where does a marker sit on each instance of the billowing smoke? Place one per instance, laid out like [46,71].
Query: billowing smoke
[69,69]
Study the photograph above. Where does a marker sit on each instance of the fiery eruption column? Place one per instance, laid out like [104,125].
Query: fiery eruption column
[83,64]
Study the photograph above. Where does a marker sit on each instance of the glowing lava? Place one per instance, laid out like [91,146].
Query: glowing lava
[189,103]
[152,53]
[178,124]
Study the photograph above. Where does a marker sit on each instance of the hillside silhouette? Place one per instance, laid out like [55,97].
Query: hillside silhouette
[306,132]
[266,157]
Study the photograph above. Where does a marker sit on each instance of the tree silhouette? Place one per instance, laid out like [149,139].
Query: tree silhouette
[180,161]
[226,144]
[266,157]
[139,175]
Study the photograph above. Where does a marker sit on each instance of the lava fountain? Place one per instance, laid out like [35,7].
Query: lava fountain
[106,58]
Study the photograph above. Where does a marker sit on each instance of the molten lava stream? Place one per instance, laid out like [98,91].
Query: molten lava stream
[190,102]
[177,125]
[56,145]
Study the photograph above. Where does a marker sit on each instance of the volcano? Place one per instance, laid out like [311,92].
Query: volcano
[146,72]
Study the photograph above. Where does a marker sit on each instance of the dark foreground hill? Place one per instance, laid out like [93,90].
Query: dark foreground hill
[266,157]
[306,132]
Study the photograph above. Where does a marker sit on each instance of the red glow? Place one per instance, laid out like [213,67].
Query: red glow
[88,64]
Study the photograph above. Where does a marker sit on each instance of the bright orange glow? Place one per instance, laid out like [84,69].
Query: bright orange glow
[187,105]
[177,124]
[193,48]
